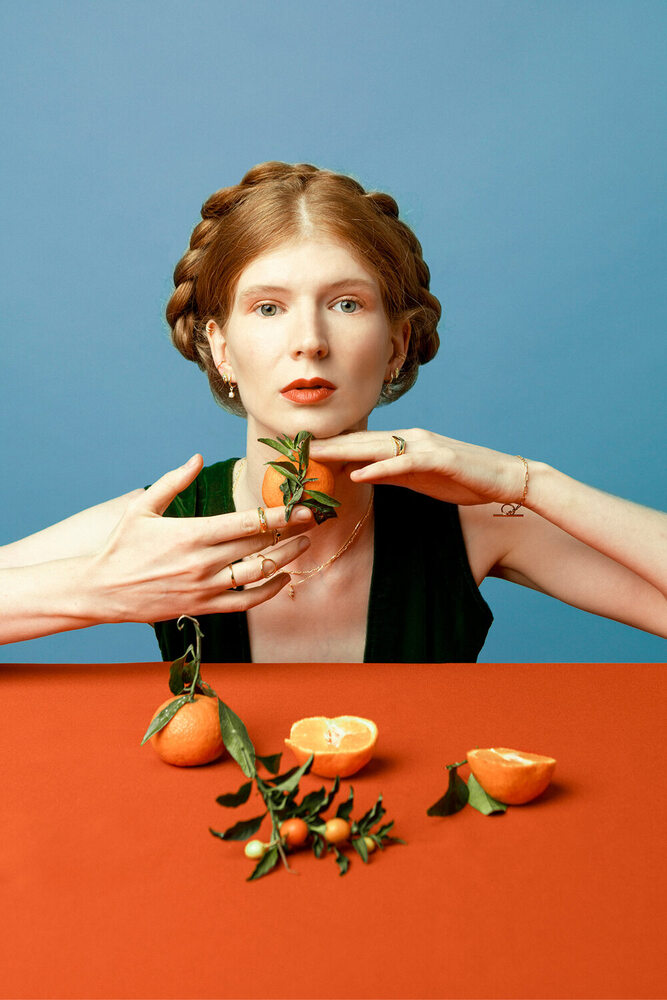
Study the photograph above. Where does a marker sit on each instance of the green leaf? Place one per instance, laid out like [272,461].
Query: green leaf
[236,739]
[286,470]
[291,782]
[271,763]
[383,829]
[345,808]
[323,498]
[263,867]
[181,673]
[342,861]
[319,845]
[320,513]
[481,800]
[374,814]
[313,803]
[284,449]
[242,830]
[360,847]
[233,799]
[454,798]
[165,716]
[332,794]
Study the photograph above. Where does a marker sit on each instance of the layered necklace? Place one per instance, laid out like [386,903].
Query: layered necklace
[308,573]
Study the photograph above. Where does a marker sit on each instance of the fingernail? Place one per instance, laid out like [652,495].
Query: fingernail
[302,514]
[191,461]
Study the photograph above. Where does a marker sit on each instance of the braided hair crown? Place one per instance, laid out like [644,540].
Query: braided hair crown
[279,202]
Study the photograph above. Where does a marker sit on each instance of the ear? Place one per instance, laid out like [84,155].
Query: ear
[218,344]
[400,340]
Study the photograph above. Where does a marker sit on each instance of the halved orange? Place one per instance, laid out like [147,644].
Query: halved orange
[340,746]
[511,776]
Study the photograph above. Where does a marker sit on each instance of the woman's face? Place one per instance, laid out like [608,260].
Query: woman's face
[308,340]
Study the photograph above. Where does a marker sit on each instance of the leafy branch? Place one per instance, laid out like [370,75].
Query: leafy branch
[280,798]
[294,471]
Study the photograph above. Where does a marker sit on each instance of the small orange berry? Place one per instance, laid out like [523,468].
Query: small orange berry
[337,830]
[294,831]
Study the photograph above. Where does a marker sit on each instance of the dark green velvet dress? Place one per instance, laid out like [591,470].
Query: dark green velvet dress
[424,605]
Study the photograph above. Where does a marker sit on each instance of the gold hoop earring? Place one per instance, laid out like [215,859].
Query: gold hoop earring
[227,381]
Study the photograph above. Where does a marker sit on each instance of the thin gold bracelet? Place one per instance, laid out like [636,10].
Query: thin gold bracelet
[512,508]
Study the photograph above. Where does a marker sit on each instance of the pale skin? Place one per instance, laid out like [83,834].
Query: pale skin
[122,561]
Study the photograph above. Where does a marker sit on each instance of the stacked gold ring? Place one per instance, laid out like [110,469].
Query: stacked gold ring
[399,445]
[263,526]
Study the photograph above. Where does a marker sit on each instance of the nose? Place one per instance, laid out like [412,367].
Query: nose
[308,336]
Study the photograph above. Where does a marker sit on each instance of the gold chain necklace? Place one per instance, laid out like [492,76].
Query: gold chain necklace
[307,573]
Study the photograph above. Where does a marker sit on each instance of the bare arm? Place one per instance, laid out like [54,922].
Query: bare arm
[122,561]
[588,548]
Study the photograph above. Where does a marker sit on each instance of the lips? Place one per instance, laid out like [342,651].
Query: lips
[308,390]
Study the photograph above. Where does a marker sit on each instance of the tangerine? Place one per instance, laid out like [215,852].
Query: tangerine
[323,476]
[511,776]
[340,746]
[192,736]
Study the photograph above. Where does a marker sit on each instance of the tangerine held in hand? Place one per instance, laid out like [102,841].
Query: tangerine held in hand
[192,736]
[272,494]
[340,746]
[511,776]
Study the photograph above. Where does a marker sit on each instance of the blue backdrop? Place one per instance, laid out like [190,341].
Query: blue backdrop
[525,144]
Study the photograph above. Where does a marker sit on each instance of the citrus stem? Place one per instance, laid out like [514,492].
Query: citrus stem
[275,833]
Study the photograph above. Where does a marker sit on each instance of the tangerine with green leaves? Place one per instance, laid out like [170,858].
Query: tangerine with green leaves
[294,831]
[323,476]
[192,736]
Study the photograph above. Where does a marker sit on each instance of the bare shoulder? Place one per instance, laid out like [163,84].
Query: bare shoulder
[80,534]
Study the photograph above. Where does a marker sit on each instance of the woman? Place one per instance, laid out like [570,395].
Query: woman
[306,301]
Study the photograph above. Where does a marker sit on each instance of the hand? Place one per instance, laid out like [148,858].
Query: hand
[439,466]
[154,568]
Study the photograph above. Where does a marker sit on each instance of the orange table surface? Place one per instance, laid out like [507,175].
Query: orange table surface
[113,887]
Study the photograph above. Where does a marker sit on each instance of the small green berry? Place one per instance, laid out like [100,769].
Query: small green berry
[255,849]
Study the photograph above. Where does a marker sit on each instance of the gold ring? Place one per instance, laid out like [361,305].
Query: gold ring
[268,572]
[263,526]
[231,573]
[277,535]
[399,445]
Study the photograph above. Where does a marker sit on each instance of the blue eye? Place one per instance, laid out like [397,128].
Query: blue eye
[351,302]
[267,305]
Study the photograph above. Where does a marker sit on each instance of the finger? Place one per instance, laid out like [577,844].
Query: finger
[243,600]
[158,496]
[264,542]
[389,468]
[245,523]
[356,448]
[264,566]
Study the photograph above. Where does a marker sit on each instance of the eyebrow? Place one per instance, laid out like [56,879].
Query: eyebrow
[253,290]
